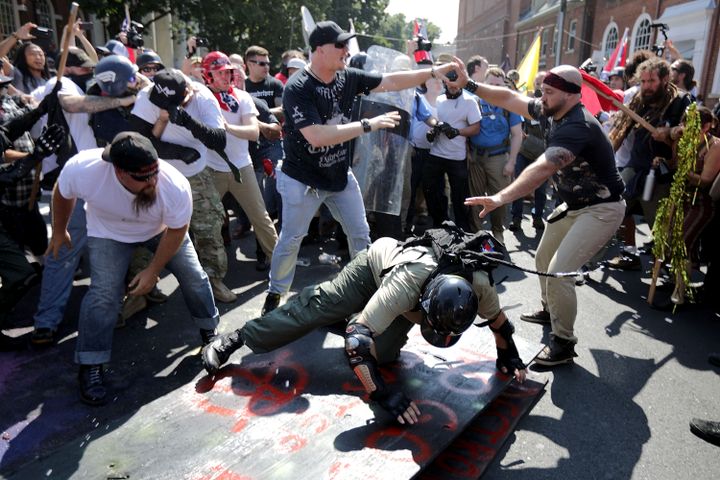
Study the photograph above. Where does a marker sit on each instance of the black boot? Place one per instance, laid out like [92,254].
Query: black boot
[92,387]
[217,352]
[271,303]
[707,430]
[558,351]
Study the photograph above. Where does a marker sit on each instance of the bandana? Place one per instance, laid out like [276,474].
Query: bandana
[556,81]
[227,100]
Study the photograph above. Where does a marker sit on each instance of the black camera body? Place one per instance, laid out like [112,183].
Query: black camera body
[135,35]
[201,42]
[41,32]
[659,49]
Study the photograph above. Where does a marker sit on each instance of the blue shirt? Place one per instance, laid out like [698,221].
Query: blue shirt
[494,127]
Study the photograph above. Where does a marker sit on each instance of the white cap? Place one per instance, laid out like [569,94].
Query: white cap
[296,63]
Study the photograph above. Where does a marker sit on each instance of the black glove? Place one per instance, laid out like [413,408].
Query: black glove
[49,99]
[449,131]
[395,403]
[509,358]
[50,141]
[432,134]
[179,116]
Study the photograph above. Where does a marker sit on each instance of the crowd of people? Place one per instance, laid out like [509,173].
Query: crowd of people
[145,161]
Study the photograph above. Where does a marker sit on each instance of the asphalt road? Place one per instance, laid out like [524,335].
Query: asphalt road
[621,411]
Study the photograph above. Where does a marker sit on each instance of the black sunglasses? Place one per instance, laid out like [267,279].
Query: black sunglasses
[150,68]
[341,45]
[262,64]
[143,178]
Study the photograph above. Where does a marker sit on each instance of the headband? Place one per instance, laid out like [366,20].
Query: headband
[556,81]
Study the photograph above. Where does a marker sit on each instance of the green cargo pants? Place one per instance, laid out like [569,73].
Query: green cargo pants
[322,305]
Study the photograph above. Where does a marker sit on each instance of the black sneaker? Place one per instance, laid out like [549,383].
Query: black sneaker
[42,337]
[217,352]
[515,224]
[707,430]
[557,352]
[271,303]
[92,387]
[541,316]
[207,335]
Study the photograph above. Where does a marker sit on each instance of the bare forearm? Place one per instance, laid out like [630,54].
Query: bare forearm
[528,181]
[409,79]
[326,135]
[504,98]
[61,210]
[90,103]
[167,248]
[88,47]
[246,132]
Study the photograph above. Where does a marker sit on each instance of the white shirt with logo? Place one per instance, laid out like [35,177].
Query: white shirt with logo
[109,205]
[458,113]
[236,148]
[202,107]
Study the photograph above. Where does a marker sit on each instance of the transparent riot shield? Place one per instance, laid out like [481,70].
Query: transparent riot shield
[381,157]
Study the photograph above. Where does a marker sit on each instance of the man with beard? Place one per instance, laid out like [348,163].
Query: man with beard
[662,105]
[76,109]
[132,199]
[579,156]
[318,103]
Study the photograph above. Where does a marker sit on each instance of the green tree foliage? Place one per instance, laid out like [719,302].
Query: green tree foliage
[232,26]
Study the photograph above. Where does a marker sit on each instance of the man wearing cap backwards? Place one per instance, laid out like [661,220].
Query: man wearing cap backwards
[183,120]
[317,105]
[384,291]
[132,199]
[580,158]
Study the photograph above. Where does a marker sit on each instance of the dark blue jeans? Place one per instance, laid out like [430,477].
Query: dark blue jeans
[434,188]
[516,210]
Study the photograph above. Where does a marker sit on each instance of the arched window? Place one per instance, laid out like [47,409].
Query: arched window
[571,36]
[7,18]
[642,33]
[610,39]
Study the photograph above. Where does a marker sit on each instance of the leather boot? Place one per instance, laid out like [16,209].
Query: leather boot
[217,352]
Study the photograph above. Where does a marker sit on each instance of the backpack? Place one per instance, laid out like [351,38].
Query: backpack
[458,252]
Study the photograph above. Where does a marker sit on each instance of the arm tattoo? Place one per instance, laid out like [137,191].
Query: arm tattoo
[559,156]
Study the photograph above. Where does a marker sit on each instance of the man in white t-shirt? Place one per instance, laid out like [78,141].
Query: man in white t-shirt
[458,117]
[239,112]
[184,114]
[132,199]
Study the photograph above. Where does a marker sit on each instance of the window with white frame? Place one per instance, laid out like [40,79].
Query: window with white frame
[642,33]
[543,44]
[45,15]
[611,40]
[7,18]
[572,31]
[555,41]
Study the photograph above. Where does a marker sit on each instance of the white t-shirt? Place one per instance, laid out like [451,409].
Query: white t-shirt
[202,107]
[236,148]
[109,205]
[458,113]
[78,123]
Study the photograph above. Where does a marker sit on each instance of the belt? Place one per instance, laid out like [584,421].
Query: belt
[488,151]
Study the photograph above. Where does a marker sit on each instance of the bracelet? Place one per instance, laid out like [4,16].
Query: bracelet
[471,86]
[365,125]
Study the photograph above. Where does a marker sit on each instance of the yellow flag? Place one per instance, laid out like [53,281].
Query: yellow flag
[528,67]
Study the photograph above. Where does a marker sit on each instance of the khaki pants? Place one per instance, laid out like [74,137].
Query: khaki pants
[566,245]
[250,199]
[486,178]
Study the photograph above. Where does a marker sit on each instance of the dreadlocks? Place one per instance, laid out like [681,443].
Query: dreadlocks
[652,112]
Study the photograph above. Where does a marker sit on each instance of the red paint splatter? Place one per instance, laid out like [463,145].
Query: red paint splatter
[421,451]
[293,443]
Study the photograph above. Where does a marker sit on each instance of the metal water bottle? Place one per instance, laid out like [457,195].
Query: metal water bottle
[649,185]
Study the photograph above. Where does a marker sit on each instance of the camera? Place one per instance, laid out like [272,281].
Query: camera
[422,52]
[659,49]
[135,35]
[588,66]
[86,25]
[201,42]
[41,32]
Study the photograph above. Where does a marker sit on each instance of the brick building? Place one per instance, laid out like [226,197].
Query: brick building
[592,29]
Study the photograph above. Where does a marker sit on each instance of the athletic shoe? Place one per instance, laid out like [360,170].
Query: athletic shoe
[707,430]
[540,316]
[557,352]
[92,386]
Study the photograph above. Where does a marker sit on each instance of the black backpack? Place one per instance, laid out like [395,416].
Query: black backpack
[458,252]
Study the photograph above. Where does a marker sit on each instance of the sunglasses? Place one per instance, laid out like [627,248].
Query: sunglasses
[143,178]
[260,63]
[341,45]
[150,68]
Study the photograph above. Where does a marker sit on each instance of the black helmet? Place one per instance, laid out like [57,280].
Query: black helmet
[113,73]
[148,56]
[449,307]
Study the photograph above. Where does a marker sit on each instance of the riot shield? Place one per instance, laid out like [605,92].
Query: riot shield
[381,157]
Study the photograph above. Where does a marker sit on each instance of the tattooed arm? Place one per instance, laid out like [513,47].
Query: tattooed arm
[530,179]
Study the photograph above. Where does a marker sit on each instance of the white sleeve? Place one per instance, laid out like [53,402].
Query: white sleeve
[474,114]
[144,108]
[67,182]
[247,106]
[178,208]
[210,112]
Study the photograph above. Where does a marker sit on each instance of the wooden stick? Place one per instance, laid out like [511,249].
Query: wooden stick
[67,35]
[625,109]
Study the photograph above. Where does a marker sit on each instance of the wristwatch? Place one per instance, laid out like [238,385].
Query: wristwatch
[365,125]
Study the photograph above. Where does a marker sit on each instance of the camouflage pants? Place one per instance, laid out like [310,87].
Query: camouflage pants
[205,224]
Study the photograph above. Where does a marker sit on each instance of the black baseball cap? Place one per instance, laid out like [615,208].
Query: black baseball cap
[328,32]
[5,81]
[168,89]
[78,58]
[131,152]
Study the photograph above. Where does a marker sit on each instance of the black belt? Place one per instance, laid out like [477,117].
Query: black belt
[483,151]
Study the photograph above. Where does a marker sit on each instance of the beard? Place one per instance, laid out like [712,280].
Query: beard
[550,111]
[145,199]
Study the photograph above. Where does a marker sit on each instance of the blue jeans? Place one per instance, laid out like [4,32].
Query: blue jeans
[109,260]
[57,277]
[299,204]
[516,210]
